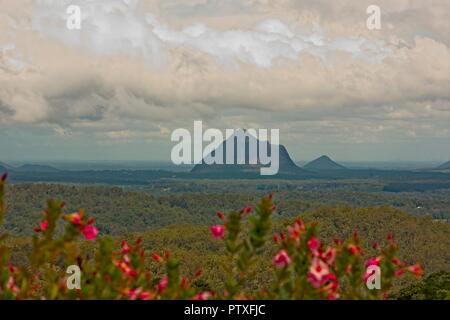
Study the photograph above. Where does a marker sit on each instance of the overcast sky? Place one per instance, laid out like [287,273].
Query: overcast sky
[139,69]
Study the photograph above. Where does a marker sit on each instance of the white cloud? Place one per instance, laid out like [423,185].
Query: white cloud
[133,74]
[118,27]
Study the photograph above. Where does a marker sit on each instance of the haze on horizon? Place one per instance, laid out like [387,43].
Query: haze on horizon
[138,69]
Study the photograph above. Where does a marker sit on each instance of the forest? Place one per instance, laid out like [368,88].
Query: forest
[175,216]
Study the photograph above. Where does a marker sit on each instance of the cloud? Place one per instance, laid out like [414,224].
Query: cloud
[138,69]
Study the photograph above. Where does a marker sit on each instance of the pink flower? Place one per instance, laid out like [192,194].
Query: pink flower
[399,272]
[282,259]
[397,261]
[390,236]
[205,295]
[145,295]
[318,272]
[416,269]
[373,262]
[313,244]
[11,285]
[133,293]
[275,238]
[125,247]
[126,269]
[90,232]
[247,210]
[218,231]
[44,225]
[329,255]
[300,224]
[75,218]
[156,257]
[294,231]
[162,285]
[354,249]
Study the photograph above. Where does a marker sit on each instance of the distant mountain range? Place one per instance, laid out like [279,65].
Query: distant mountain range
[287,166]
[323,163]
[27,168]
[321,167]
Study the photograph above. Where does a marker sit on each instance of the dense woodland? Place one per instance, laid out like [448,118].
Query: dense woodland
[169,218]
[123,210]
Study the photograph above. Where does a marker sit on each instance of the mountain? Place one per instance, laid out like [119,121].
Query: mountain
[36,168]
[323,163]
[444,166]
[286,165]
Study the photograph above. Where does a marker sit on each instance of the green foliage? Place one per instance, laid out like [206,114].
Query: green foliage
[301,266]
[436,286]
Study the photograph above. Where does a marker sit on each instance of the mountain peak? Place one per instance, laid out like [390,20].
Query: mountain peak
[286,165]
[323,163]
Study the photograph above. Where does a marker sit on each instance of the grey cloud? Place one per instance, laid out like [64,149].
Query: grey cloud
[265,70]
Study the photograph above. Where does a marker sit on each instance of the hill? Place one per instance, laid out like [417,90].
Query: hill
[324,163]
[286,165]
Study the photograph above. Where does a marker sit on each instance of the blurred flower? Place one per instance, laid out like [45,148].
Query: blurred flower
[156,257]
[205,295]
[399,272]
[75,218]
[90,232]
[313,244]
[354,249]
[218,231]
[318,272]
[125,247]
[44,225]
[163,284]
[282,259]
[329,256]
[416,269]
[373,262]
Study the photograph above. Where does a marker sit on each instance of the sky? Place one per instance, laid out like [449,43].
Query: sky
[137,70]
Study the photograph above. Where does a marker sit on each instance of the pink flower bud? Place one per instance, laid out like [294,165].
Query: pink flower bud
[313,244]
[218,231]
[44,225]
[390,236]
[220,215]
[203,296]
[275,238]
[162,285]
[156,257]
[90,232]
